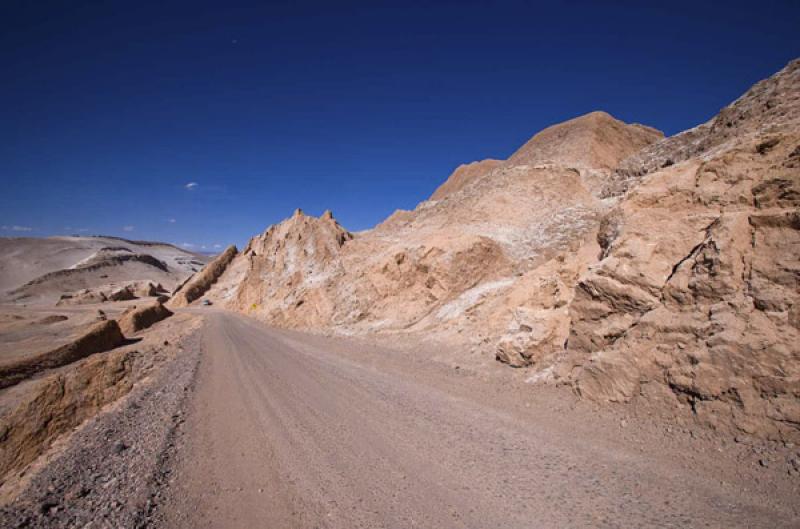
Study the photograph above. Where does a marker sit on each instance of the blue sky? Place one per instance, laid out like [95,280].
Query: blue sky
[110,109]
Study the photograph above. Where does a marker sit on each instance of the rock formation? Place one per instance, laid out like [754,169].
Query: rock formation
[599,255]
[198,284]
[143,317]
[101,337]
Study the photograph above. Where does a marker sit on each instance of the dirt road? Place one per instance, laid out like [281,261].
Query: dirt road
[282,433]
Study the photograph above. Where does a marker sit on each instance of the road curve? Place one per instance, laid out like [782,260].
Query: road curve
[282,434]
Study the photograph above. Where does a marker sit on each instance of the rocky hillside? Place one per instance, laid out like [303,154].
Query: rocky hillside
[599,255]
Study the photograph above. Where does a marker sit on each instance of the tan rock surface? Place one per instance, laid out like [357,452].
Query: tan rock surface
[599,255]
[464,175]
[198,284]
[100,337]
[143,317]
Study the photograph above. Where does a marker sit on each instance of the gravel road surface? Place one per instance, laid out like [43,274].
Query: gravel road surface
[283,432]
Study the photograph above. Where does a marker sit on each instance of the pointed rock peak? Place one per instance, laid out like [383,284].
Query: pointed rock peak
[298,213]
[327,215]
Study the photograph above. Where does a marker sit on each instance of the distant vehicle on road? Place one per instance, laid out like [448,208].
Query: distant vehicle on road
[206,302]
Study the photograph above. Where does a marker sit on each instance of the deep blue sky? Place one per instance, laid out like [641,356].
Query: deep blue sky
[111,108]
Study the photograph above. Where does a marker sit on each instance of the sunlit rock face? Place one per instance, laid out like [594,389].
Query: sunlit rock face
[599,255]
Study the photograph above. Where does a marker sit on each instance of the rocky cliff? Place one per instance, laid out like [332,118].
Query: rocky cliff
[599,255]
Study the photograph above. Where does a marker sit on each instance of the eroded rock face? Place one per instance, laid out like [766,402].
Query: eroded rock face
[198,284]
[599,255]
[772,104]
[696,298]
[446,265]
[143,317]
[59,403]
[102,336]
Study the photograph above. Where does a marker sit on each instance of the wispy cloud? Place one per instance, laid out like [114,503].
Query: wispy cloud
[75,230]
[16,228]
[191,186]
[128,228]
[217,246]
[188,245]
[171,221]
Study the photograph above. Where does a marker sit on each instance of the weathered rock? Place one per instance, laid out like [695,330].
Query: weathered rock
[464,175]
[82,297]
[698,293]
[198,284]
[600,255]
[122,294]
[143,317]
[101,337]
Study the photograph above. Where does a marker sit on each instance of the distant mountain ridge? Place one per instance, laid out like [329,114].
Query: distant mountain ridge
[40,269]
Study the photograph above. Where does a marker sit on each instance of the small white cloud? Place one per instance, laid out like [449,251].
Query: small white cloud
[128,228]
[217,246]
[16,228]
[191,186]
[75,230]
[203,247]
[171,221]
[188,245]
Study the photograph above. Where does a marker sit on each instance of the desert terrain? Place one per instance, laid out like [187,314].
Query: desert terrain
[598,331]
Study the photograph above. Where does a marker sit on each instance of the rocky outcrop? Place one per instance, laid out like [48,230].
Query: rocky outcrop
[198,284]
[121,294]
[289,267]
[101,337]
[769,106]
[140,318]
[105,293]
[475,253]
[61,402]
[629,267]
[694,303]
[82,297]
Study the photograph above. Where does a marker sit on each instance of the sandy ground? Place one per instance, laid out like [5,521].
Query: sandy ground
[291,430]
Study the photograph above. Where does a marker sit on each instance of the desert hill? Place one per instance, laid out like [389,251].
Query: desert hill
[40,270]
[596,140]
[600,255]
